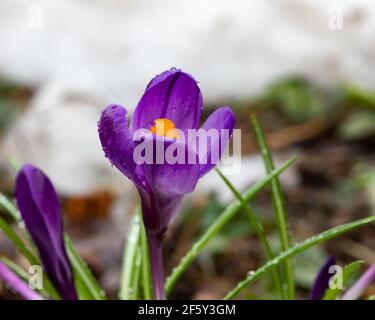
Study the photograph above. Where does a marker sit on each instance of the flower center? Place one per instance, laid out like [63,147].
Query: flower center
[164,128]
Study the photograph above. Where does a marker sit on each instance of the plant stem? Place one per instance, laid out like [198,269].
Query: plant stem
[157,266]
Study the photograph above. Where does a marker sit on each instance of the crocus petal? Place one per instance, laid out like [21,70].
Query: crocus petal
[167,182]
[40,210]
[157,212]
[321,282]
[174,95]
[161,77]
[219,121]
[167,179]
[360,286]
[117,142]
[17,284]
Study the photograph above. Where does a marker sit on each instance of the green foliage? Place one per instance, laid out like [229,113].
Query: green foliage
[146,266]
[300,102]
[136,280]
[86,284]
[359,97]
[305,266]
[129,282]
[347,273]
[296,249]
[22,274]
[359,124]
[18,242]
[259,229]
[9,208]
[296,98]
[218,224]
[24,250]
[278,203]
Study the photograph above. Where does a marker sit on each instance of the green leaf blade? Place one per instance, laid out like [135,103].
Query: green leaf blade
[129,258]
[297,248]
[278,204]
[22,274]
[348,271]
[259,229]
[9,207]
[146,267]
[33,260]
[219,223]
[86,284]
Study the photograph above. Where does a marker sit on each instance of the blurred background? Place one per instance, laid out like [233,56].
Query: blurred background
[305,67]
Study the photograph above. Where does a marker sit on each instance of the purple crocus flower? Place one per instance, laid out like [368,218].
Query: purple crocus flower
[321,282]
[40,209]
[172,101]
[17,284]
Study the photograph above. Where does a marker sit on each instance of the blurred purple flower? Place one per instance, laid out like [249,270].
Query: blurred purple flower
[17,284]
[321,282]
[172,99]
[357,289]
[40,210]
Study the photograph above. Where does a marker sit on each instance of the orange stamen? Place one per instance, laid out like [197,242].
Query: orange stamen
[164,128]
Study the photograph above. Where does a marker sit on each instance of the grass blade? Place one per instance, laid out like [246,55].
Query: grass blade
[17,241]
[33,260]
[296,249]
[9,208]
[146,266]
[81,288]
[137,275]
[21,273]
[218,224]
[258,227]
[15,268]
[85,282]
[13,213]
[278,204]
[129,258]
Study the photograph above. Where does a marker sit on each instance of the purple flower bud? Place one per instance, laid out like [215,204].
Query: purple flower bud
[321,282]
[40,210]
